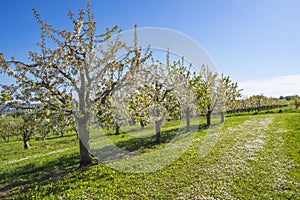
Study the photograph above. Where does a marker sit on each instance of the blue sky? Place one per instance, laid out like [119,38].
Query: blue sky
[255,42]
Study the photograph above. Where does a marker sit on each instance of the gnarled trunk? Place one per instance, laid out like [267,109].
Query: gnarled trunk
[157,130]
[188,121]
[117,129]
[26,138]
[208,118]
[84,142]
[222,117]
[142,124]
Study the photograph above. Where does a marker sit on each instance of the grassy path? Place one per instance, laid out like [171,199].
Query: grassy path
[249,162]
[238,147]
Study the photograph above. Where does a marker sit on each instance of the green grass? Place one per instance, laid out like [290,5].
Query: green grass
[254,157]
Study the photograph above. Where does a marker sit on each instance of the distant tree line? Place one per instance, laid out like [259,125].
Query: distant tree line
[256,103]
[288,98]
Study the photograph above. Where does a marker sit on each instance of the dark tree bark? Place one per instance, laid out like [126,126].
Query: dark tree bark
[142,124]
[222,117]
[188,120]
[84,143]
[157,130]
[208,118]
[117,129]
[26,137]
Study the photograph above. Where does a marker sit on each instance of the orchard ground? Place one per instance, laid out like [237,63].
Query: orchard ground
[257,156]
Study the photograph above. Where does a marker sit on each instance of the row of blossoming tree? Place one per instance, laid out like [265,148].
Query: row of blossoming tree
[79,78]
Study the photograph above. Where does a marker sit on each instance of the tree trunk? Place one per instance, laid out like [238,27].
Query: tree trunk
[142,124]
[222,117]
[208,116]
[188,121]
[26,139]
[84,142]
[117,129]
[157,130]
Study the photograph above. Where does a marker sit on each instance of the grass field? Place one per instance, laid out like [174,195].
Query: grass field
[255,156]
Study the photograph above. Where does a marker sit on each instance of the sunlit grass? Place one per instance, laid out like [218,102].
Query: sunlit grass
[255,157]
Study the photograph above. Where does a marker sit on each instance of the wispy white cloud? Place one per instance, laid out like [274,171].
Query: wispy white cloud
[275,87]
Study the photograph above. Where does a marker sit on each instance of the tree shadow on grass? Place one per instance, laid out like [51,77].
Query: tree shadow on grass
[45,171]
[126,130]
[67,135]
[31,174]
[135,146]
